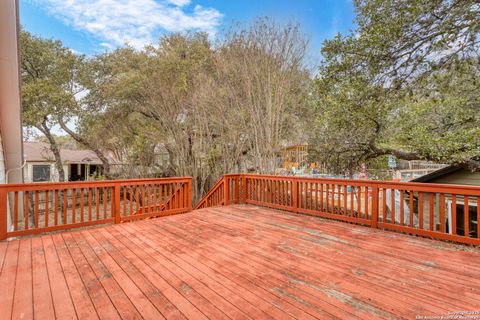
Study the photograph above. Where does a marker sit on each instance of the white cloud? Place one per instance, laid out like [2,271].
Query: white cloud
[136,22]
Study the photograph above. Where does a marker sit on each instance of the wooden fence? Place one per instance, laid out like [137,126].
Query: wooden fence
[447,212]
[41,207]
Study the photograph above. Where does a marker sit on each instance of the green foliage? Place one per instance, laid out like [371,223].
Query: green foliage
[403,83]
[48,72]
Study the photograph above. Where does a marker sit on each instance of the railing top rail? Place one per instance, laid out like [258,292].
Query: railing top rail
[405,185]
[81,184]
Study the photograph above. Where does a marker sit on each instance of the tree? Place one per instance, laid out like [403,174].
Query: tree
[214,109]
[48,72]
[265,83]
[392,85]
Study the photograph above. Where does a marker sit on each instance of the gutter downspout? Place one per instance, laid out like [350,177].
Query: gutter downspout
[11,156]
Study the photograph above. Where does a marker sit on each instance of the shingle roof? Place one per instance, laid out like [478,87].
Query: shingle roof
[40,152]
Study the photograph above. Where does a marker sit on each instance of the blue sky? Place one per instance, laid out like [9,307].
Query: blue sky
[95,26]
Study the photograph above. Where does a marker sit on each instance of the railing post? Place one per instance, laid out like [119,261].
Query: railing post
[116,202]
[3,214]
[189,194]
[295,195]
[226,191]
[374,206]
[245,189]
[237,189]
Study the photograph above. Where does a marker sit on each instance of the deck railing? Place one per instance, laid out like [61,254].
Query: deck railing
[42,207]
[448,212]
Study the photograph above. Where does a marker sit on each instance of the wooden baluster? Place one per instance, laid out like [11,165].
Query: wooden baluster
[375,203]
[412,195]
[148,186]
[310,193]
[402,207]
[420,210]
[393,205]
[321,198]
[359,201]
[36,205]
[430,210]
[351,201]
[55,209]
[47,202]
[124,200]
[74,200]
[137,200]
[82,205]
[327,199]
[97,203]
[130,187]
[454,214]
[65,206]
[466,217]
[25,211]
[111,191]
[15,210]
[245,189]
[442,212]
[154,189]
[384,204]
[89,203]
[3,214]
[366,202]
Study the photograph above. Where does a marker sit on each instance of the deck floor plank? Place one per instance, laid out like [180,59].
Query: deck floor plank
[62,300]
[80,297]
[103,305]
[167,309]
[427,267]
[144,306]
[289,305]
[235,262]
[7,279]
[186,289]
[317,255]
[42,298]
[274,279]
[23,300]
[222,285]
[135,256]
[120,300]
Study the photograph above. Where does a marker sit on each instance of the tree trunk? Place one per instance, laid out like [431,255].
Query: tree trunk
[55,150]
[58,163]
[86,143]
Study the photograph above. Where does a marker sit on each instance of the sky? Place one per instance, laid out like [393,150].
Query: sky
[95,26]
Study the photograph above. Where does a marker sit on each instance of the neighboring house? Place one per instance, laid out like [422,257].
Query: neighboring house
[455,174]
[79,165]
[451,175]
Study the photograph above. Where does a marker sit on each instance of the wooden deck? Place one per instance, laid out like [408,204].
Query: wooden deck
[235,262]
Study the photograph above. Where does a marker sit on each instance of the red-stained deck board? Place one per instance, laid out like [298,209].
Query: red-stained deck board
[235,262]
[42,297]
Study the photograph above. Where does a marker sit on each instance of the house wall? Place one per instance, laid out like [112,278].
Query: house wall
[461,176]
[28,171]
